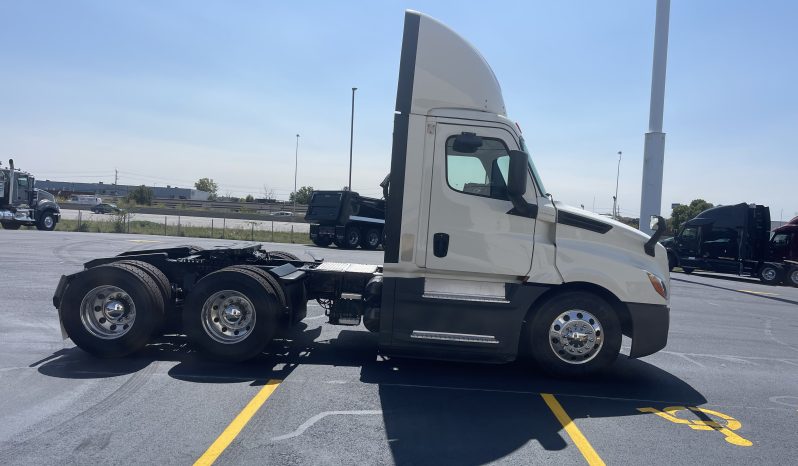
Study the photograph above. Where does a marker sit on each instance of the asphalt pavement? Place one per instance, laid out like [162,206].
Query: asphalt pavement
[725,390]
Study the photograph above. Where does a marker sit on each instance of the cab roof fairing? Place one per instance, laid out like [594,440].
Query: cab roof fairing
[449,72]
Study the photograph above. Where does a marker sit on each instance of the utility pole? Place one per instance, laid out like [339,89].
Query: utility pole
[654,149]
[615,197]
[296,168]
[351,137]
[116,176]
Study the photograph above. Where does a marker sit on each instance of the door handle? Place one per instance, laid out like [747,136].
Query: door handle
[440,244]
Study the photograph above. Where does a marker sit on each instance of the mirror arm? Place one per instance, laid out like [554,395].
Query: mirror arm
[652,242]
[522,208]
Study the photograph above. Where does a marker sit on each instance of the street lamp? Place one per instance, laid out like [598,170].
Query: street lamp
[351,137]
[615,197]
[296,166]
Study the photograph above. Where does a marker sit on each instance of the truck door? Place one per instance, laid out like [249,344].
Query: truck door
[471,228]
[23,191]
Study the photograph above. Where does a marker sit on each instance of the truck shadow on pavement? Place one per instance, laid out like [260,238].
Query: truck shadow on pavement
[433,411]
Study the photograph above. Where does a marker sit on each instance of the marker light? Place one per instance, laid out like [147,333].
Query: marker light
[658,284]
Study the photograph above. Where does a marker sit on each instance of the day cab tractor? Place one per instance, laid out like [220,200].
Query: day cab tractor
[22,204]
[480,264]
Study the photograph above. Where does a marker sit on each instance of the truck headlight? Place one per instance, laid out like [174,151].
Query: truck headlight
[658,284]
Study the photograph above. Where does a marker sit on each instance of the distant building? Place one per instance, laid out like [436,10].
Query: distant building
[68,188]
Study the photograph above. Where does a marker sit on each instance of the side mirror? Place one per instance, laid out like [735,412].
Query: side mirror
[516,185]
[467,143]
[516,178]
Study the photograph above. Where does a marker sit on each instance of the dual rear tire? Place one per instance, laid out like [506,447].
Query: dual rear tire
[233,313]
[112,310]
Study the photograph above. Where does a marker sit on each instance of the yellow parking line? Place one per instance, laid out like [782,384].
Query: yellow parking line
[592,458]
[759,292]
[235,427]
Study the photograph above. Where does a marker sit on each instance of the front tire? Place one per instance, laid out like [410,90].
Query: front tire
[231,314]
[770,274]
[575,333]
[10,225]
[111,310]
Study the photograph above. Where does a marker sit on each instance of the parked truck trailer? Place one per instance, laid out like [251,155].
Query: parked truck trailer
[480,263]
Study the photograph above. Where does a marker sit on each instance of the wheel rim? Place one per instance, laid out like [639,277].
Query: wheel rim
[48,221]
[576,336]
[794,277]
[107,312]
[228,316]
[373,239]
[769,274]
[354,238]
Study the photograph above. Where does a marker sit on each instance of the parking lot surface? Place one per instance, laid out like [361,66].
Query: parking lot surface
[725,390]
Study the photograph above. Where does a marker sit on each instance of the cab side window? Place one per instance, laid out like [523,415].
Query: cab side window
[479,173]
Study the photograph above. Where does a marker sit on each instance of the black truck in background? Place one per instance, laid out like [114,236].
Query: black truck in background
[22,204]
[346,219]
[736,239]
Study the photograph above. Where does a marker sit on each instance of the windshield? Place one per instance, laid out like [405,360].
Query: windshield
[535,174]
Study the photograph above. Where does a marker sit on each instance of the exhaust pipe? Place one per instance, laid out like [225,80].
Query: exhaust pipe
[12,182]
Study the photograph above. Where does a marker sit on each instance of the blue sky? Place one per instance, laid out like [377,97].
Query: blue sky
[168,92]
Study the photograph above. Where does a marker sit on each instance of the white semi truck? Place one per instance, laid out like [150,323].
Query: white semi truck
[480,263]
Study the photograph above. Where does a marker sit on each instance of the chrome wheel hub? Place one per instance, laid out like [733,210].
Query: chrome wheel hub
[48,221]
[576,336]
[794,276]
[107,312]
[228,316]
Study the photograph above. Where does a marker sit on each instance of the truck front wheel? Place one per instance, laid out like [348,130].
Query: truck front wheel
[231,314]
[770,274]
[46,221]
[575,333]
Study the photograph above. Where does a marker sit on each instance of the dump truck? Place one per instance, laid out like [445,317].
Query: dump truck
[22,204]
[480,264]
[737,239]
[346,219]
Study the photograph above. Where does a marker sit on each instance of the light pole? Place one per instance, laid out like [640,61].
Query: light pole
[654,149]
[351,137]
[615,197]
[296,167]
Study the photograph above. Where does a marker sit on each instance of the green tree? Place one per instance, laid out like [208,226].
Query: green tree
[141,195]
[302,195]
[249,198]
[209,186]
[682,213]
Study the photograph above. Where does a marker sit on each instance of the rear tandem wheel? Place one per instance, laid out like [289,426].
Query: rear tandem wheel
[112,310]
[231,314]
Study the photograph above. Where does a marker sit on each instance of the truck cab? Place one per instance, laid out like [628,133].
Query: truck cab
[22,204]
[476,243]
[784,242]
